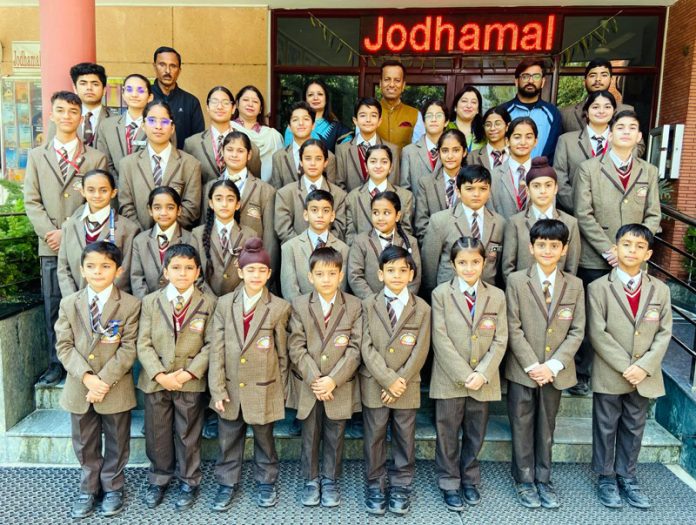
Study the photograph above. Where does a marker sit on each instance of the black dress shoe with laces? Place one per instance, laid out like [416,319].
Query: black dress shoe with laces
[154,495]
[83,506]
[112,503]
[471,494]
[453,500]
[186,497]
[528,496]
[224,497]
[376,501]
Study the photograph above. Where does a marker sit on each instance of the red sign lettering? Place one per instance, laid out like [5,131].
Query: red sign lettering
[459,33]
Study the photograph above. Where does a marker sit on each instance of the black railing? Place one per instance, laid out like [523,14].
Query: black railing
[689,317]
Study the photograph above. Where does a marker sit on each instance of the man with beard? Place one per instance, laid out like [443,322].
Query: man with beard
[186,108]
[529,78]
[401,124]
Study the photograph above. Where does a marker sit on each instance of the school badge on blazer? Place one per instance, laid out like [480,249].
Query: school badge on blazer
[652,315]
[197,325]
[77,185]
[642,191]
[110,334]
[254,212]
[341,340]
[263,343]
[487,323]
[408,339]
[565,314]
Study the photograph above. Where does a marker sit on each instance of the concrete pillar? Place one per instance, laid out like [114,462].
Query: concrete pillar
[68,36]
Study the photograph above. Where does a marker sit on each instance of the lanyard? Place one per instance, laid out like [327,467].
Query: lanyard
[74,163]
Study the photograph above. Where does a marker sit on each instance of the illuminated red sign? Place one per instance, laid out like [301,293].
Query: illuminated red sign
[458,34]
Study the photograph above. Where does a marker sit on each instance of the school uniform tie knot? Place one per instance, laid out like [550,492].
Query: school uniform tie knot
[449,192]
[363,149]
[87,131]
[157,171]
[599,139]
[374,191]
[547,292]
[475,230]
[130,135]
[497,157]
[521,188]
[94,314]
[470,300]
[312,187]
[178,303]
[389,239]
[390,309]
[63,161]
[224,240]
[320,243]
[433,154]
[631,285]
[163,241]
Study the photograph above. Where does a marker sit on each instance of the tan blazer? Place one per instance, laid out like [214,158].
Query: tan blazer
[295,264]
[430,199]
[109,356]
[572,149]
[516,254]
[104,115]
[200,146]
[73,242]
[223,277]
[146,269]
[480,157]
[48,200]
[348,172]
[503,194]
[462,345]
[602,206]
[251,372]
[285,172]
[390,353]
[363,264]
[183,173]
[160,351]
[445,228]
[537,335]
[359,210]
[621,340]
[415,163]
[289,205]
[334,350]
[111,140]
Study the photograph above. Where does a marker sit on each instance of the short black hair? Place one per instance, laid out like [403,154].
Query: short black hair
[530,62]
[370,102]
[166,49]
[598,62]
[392,63]
[637,230]
[104,173]
[143,78]
[302,105]
[67,96]
[594,96]
[111,251]
[326,255]
[88,68]
[164,190]
[318,195]
[549,229]
[468,174]
[394,253]
[626,113]
[181,250]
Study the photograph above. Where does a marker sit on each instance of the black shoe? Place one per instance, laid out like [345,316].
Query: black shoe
[399,500]
[52,376]
[630,489]
[582,388]
[453,500]
[295,428]
[186,497]
[355,429]
[608,492]
[154,495]
[224,497]
[330,495]
[210,427]
[376,501]
[311,494]
[527,495]
[112,503]
[266,495]
[471,494]
[547,495]
[83,506]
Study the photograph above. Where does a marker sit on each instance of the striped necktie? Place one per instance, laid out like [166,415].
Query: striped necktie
[599,139]
[449,192]
[224,240]
[219,160]
[327,316]
[374,192]
[470,301]
[130,136]
[497,157]
[87,131]
[391,311]
[157,172]
[320,243]
[547,293]
[521,188]
[63,162]
[475,230]
[94,314]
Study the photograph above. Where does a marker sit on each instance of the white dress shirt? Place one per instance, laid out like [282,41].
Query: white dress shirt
[400,303]
[164,157]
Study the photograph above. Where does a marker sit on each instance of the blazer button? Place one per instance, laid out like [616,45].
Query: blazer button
[474,337]
[625,201]
[224,276]
[324,358]
[391,350]
[474,361]
[636,356]
[242,385]
[242,360]
[637,332]
[548,348]
[66,195]
[549,331]
[90,356]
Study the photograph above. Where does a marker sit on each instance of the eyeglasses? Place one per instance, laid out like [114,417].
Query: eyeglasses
[526,77]
[494,125]
[214,102]
[153,121]
[139,90]
[434,116]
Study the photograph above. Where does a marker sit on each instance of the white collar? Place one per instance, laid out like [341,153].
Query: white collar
[95,112]
[490,149]
[250,302]
[359,138]
[468,212]
[514,165]
[98,216]
[592,133]
[313,236]
[102,296]
[319,182]
[617,161]
[242,174]
[169,232]
[382,187]
[173,293]
[324,305]
[229,227]
[216,133]
[624,277]
[538,214]
[129,120]
[295,147]
[70,147]
[429,143]
[464,286]
[543,277]
[402,297]
[163,155]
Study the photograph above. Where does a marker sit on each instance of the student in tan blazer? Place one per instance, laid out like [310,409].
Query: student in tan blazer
[290,199]
[509,194]
[542,187]
[546,319]
[96,334]
[286,162]
[220,240]
[495,152]
[295,254]
[396,339]
[447,226]
[438,192]
[610,191]
[575,147]
[324,345]
[359,201]
[630,327]
[421,158]
[249,376]
[123,135]
[469,338]
[52,184]
[95,221]
[150,246]
[159,164]
[366,248]
[173,347]
[351,169]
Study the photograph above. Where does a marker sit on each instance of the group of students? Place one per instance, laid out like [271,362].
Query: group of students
[207,248]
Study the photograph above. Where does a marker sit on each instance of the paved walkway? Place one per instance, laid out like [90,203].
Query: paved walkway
[42,496]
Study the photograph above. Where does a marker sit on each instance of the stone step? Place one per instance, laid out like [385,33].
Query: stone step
[44,437]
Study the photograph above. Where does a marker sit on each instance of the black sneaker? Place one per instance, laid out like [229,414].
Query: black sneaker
[83,506]
[527,495]
[223,498]
[399,500]
[453,500]
[630,489]
[376,501]
[608,492]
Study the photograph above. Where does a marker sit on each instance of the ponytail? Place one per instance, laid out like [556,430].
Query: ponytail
[207,230]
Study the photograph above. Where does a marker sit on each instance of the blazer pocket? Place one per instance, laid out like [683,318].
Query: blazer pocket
[652,313]
[640,192]
[565,312]
[266,383]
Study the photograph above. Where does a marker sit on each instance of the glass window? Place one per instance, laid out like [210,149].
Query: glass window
[299,43]
[417,94]
[634,39]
